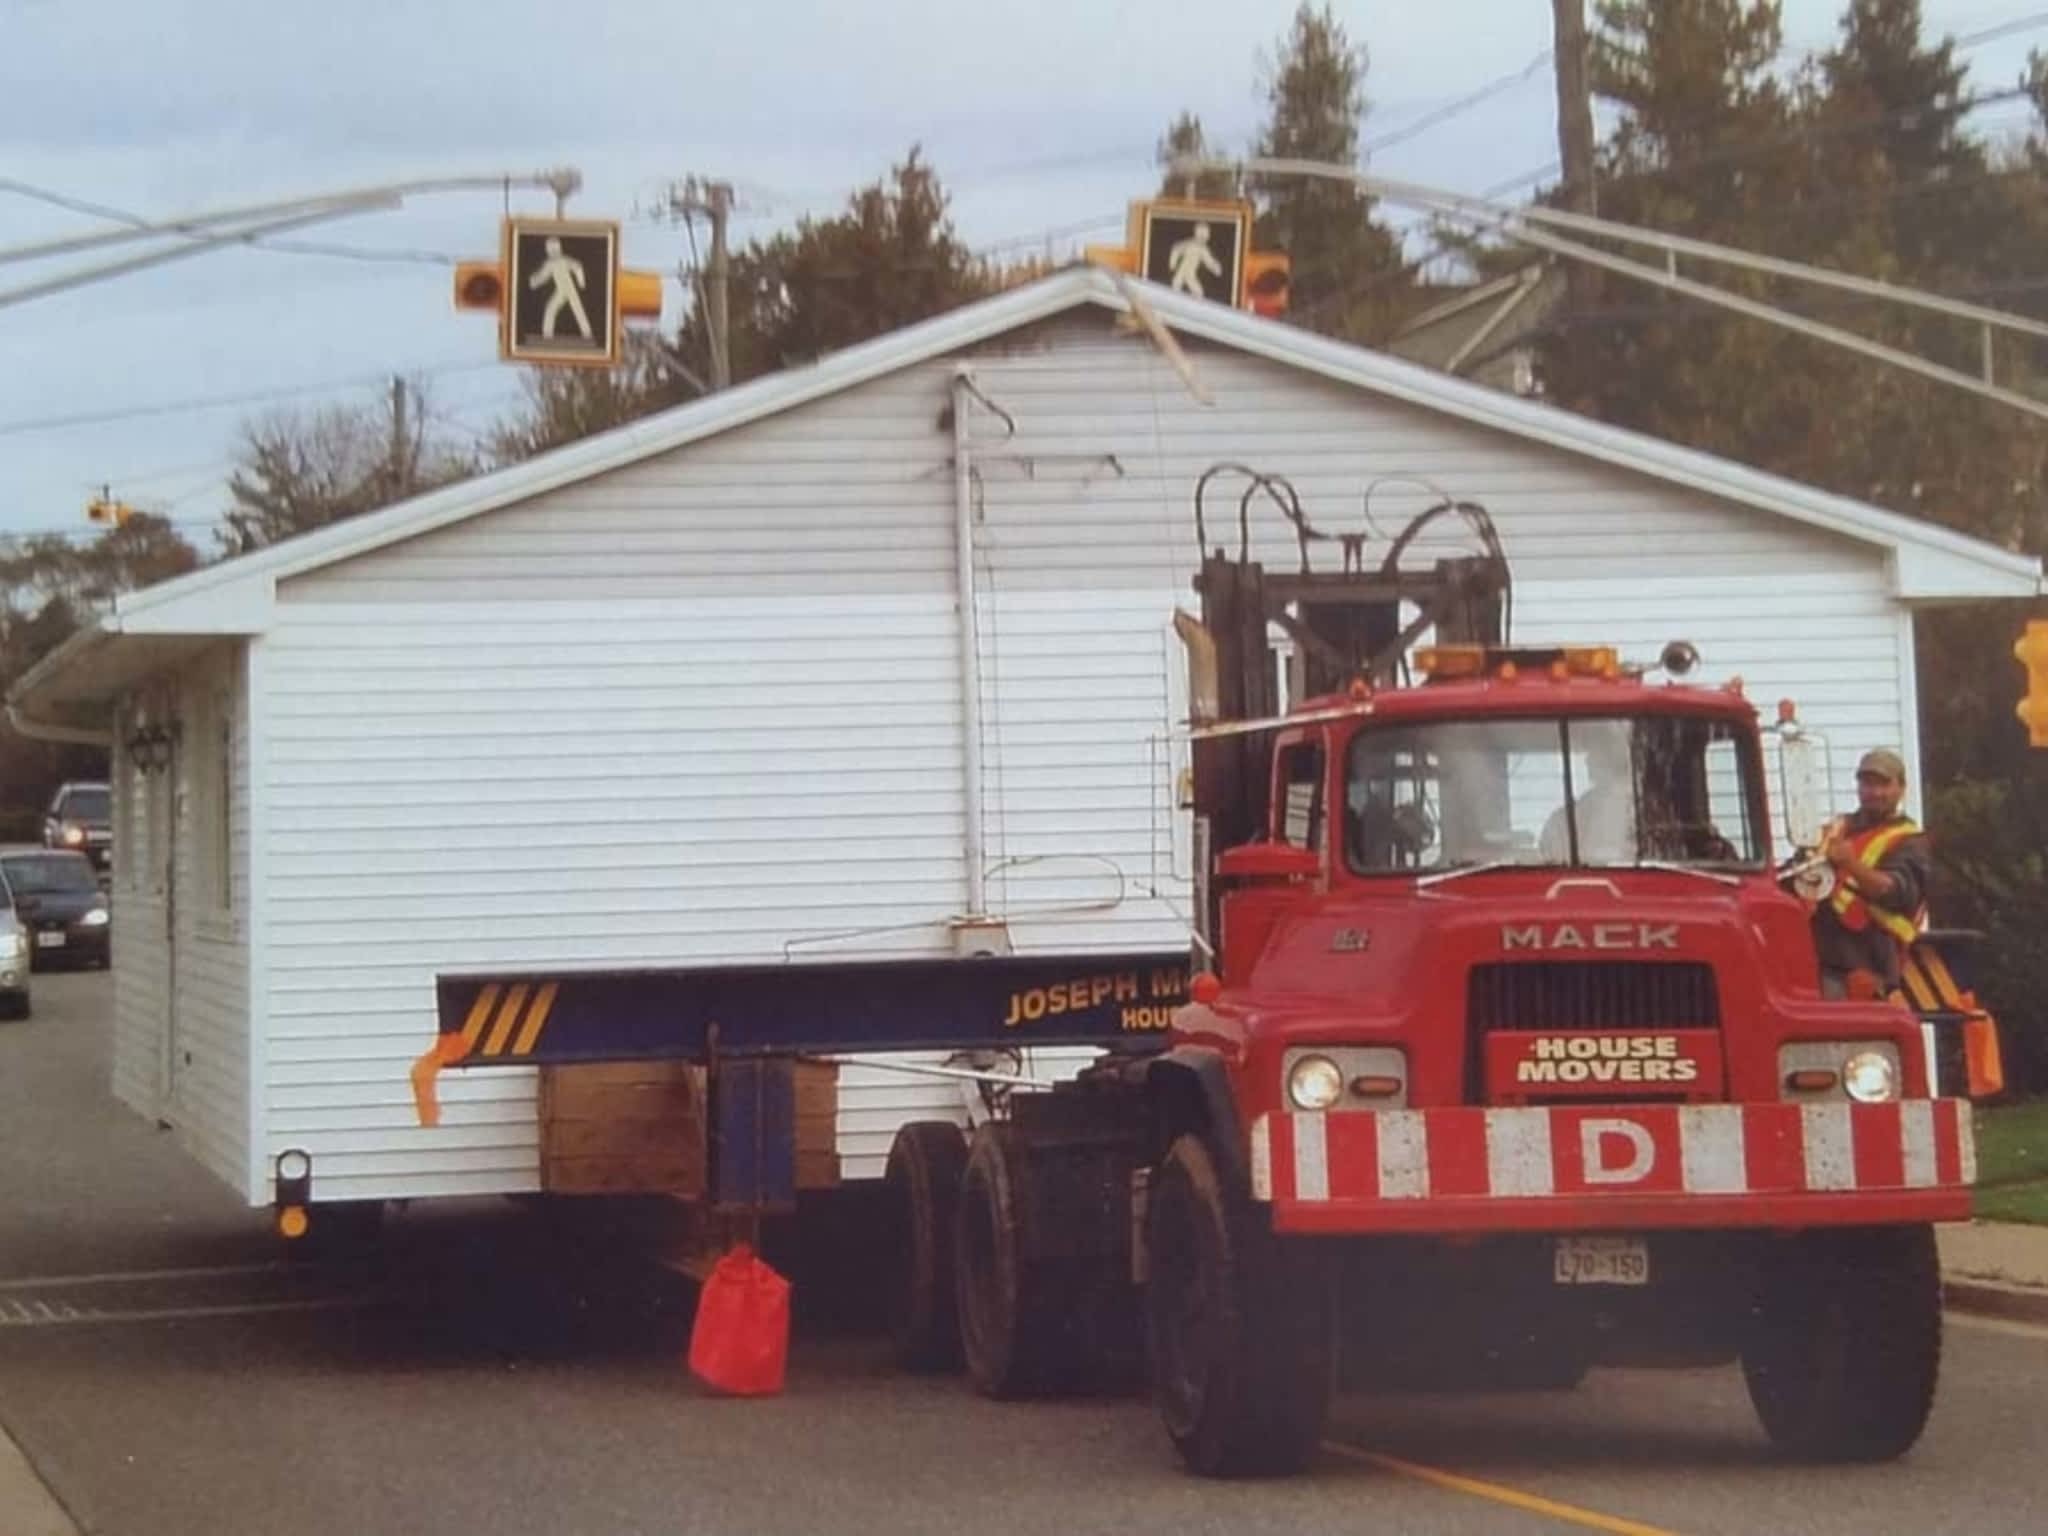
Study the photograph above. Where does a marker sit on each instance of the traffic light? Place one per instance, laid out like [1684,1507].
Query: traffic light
[480,285]
[2032,650]
[1266,276]
[104,509]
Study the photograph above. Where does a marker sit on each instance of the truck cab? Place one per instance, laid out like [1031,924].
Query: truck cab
[1536,878]
[1528,1068]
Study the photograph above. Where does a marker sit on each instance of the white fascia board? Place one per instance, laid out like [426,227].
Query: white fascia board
[241,607]
[1921,574]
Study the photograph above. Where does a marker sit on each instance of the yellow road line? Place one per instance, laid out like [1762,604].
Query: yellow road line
[1534,1503]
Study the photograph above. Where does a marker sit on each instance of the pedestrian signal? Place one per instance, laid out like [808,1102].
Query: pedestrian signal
[561,293]
[2032,650]
[1196,248]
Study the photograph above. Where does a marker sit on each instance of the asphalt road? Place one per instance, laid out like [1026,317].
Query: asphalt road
[164,1377]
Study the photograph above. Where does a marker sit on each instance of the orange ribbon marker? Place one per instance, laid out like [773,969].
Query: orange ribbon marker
[447,1051]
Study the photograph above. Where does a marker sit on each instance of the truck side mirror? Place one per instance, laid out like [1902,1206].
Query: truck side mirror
[1803,780]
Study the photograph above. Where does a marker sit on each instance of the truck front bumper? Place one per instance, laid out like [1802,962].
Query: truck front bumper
[1614,1166]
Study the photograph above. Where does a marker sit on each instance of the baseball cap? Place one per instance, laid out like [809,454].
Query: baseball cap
[1883,761]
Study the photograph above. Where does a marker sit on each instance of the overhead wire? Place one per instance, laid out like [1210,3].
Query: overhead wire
[22,425]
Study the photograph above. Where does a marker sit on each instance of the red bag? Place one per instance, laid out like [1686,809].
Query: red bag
[740,1341]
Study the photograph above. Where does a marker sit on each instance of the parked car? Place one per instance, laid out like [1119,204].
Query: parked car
[81,818]
[14,964]
[59,901]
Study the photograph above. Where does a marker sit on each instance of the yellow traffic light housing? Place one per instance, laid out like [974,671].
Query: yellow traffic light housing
[1243,279]
[2032,651]
[480,285]
[1266,278]
[104,509]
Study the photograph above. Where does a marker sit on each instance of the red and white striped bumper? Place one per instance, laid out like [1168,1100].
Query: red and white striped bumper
[1607,1166]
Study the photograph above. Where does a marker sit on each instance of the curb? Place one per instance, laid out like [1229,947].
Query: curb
[1986,1298]
[27,1506]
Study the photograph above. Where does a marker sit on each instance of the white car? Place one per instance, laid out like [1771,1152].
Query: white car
[14,964]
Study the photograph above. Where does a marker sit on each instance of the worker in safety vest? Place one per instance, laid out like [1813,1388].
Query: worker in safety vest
[1882,865]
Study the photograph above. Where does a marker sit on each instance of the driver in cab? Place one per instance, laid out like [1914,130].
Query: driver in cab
[1604,812]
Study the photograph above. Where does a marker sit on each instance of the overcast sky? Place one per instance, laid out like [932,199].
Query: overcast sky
[1038,117]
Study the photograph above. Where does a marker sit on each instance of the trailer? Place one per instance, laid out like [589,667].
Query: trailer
[1472,1081]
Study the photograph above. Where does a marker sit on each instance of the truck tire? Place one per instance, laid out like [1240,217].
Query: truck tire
[922,1187]
[1845,1342]
[1013,1337]
[1238,1327]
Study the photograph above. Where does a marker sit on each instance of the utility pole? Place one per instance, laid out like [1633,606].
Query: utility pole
[1574,105]
[686,199]
[401,444]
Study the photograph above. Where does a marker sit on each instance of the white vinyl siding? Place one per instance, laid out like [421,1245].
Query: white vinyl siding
[138,930]
[705,709]
[191,1070]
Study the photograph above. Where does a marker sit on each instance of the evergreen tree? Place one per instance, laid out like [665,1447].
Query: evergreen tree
[1346,264]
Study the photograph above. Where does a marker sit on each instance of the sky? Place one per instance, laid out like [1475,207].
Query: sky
[1040,118]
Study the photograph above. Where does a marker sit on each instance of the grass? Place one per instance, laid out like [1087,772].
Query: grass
[2012,1163]
[2026,1203]
[2012,1143]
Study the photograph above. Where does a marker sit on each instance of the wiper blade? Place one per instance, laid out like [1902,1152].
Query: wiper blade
[1458,872]
[1715,875]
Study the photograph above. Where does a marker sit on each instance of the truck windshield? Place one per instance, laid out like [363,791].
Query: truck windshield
[1592,791]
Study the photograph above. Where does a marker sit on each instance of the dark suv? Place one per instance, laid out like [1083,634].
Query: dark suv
[81,818]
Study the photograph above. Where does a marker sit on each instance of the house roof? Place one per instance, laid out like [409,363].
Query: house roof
[1928,562]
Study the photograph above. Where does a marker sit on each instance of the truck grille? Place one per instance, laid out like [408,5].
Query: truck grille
[1592,994]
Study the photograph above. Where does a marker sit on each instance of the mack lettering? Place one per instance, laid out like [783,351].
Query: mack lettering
[1556,938]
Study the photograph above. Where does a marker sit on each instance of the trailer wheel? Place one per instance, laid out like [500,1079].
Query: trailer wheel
[922,1187]
[1238,1326]
[1010,1333]
[1845,1343]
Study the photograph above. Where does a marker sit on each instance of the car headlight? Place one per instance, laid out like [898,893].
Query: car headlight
[73,836]
[96,918]
[1315,1082]
[1870,1078]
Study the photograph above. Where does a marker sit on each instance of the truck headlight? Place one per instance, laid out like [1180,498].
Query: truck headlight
[1870,1078]
[1315,1082]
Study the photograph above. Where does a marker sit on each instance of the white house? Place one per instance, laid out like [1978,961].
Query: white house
[697,691]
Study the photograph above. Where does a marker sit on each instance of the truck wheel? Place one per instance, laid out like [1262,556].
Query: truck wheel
[922,1187]
[1845,1342]
[1011,1329]
[1238,1325]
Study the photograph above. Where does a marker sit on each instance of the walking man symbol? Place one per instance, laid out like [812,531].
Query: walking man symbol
[1189,259]
[566,273]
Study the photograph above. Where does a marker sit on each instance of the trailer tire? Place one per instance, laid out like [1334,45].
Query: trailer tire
[922,1187]
[1845,1343]
[1238,1326]
[1013,1336]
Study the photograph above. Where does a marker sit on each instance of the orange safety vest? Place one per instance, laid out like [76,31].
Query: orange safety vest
[1851,910]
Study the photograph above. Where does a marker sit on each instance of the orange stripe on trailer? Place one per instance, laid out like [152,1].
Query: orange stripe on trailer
[536,1019]
[479,1012]
[508,1015]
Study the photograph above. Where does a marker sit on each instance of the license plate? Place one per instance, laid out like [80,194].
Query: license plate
[1602,1261]
[49,941]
